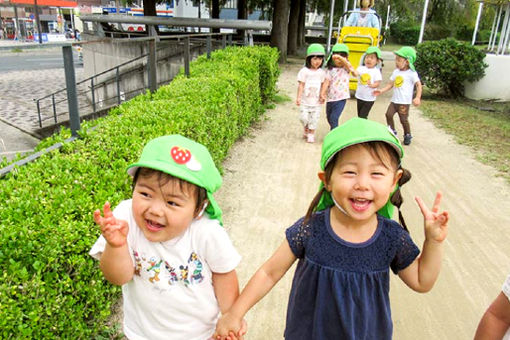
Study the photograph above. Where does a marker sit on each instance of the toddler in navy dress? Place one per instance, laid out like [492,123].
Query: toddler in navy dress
[347,243]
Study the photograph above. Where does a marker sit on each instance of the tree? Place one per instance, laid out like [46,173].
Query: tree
[279,32]
[293,27]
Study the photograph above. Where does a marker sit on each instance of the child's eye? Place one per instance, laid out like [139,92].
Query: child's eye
[144,194]
[172,203]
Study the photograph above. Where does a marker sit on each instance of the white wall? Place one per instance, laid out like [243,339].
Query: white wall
[495,84]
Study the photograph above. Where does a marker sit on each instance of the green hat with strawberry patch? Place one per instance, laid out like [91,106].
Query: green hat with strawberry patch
[185,159]
[356,131]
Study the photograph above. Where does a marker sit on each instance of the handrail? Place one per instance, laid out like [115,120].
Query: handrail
[179,21]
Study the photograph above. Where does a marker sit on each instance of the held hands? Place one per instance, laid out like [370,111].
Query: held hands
[377,92]
[230,328]
[436,223]
[114,231]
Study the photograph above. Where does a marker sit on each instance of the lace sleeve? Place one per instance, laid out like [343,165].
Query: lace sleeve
[407,252]
[297,236]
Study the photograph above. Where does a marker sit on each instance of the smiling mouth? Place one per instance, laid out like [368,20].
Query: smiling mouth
[153,226]
[360,204]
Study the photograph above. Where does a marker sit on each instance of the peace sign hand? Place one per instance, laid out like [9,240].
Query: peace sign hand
[114,231]
[436,223]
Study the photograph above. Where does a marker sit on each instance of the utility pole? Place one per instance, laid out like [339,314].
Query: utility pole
[37,21]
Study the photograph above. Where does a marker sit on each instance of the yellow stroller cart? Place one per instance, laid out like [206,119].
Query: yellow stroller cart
[358,39]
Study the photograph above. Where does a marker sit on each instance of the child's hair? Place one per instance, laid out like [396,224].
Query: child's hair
[308,61]
[382,151]
[164,178]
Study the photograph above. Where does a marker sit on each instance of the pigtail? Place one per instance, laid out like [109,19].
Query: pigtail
[313,205]
[396,198]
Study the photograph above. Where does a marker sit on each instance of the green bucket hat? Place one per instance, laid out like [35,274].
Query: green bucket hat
[338,48]
[374,49]
[408,53]
[186,159]
[355,131]
[315,49]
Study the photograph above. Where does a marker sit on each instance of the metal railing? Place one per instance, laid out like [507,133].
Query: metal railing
[108,89]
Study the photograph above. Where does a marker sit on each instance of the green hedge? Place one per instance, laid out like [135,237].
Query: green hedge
[50,287]
[445,65]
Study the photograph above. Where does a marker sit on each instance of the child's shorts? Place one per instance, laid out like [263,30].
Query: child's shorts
[310,116]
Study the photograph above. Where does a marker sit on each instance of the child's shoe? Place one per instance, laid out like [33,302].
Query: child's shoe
[310,138]
[407,139]
[393,131]
[305,133]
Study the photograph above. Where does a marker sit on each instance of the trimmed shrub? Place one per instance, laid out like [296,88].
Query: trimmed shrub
[50,286]
[445,65]
[404,33]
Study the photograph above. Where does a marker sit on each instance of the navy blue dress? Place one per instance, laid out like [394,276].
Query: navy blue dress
[340,289]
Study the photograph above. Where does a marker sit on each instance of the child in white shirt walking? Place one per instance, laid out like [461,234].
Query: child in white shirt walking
[404,79]
[310,79]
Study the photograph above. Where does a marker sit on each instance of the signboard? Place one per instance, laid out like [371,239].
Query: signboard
[55,3]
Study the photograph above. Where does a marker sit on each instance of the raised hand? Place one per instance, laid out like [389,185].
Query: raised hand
[114,231]
[436,223]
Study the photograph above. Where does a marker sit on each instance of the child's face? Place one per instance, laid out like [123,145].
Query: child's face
[316,61]
[163,211]
[371,60]
[401,63]
[361,183]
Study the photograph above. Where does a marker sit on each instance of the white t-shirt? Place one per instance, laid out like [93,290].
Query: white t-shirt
[171,294]
[367,76]
[506,291]
[313,80]
[403,86]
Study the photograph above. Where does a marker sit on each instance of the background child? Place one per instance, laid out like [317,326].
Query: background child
[345,249]
[310,79]
[336,86]
[176,265]
[369,78]
[495,323]
[404,78]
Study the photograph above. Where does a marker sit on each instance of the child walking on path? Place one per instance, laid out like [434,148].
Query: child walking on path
[345,248]
[176,265]
[310,79]
[404,79]
[336,86]
[369,78]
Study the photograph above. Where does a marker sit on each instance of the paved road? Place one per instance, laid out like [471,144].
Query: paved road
[19,88]
[34,60]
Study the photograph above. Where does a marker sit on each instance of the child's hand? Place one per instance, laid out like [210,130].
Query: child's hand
[228,327]
[298,101]
[340,61]
[376,92]
[114,231]
[416,101]
[436,223]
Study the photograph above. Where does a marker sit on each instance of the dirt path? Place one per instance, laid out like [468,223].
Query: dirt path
[270,178]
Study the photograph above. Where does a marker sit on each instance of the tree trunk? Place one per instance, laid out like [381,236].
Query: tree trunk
[242,15]
[293,27]
[279,31]
[149,9]
[301,24]
[215,13]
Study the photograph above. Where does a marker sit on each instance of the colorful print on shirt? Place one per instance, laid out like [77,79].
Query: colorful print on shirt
[154,270]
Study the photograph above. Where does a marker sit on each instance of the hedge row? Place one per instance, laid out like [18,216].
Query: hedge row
[50,287]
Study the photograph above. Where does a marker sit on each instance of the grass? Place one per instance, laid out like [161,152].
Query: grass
[482,125]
